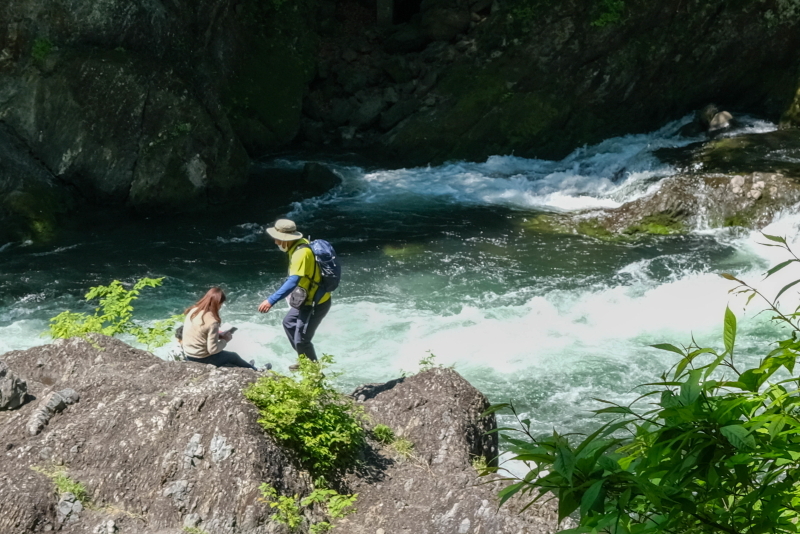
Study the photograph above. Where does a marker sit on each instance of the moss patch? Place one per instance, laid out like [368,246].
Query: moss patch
[660,224]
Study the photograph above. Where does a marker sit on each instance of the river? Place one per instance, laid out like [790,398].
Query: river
[444,261]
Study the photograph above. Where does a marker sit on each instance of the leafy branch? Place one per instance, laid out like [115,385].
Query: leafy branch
[114,316]
[703,454]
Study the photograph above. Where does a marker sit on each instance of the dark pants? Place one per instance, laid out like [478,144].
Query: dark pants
[223,357]
[300,325]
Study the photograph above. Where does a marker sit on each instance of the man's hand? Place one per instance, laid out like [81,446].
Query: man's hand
[264,307]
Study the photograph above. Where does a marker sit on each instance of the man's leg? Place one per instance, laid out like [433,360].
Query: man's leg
[290,325]
[304,345]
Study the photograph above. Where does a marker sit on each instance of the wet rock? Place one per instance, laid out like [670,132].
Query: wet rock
[398,112]
[318,178]
[368,112]
[406,38]
[12,389]
[688,201]
[719,121]
[445,24]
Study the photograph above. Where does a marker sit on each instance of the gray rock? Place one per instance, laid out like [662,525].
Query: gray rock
[54,403]
[220,450]
[319,178]
[445,24]
[12,389]
[141,417]
[398,112]
[406,38]
[719,121]
[369,112]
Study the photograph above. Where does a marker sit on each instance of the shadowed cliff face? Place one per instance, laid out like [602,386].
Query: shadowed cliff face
[542,78]
[160,446]
[156,105]
[124,103]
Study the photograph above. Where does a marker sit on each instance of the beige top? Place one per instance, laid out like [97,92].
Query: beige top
[201,335]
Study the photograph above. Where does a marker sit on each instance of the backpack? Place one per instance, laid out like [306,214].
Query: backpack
[330,268]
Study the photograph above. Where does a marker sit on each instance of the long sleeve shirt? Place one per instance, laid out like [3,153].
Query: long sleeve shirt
[201,335]
[303,272]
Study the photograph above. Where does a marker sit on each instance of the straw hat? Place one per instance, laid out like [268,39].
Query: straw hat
[284,230]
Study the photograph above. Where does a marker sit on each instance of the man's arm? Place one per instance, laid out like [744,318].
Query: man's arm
[287,287]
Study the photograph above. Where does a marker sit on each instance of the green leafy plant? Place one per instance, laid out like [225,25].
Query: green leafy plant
[383,434]
[610,12]
[479,464]
[41,49]
[428,362]
[716,450]
[114,316]
[194,530]
[309,416]
[63,482]
[288,509]
[403,447]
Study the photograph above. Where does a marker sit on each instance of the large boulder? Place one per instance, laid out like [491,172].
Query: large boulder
[31,198]
[13,390]
[436,489]
[166,446]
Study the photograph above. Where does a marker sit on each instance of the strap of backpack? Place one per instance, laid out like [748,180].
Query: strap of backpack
[313,275]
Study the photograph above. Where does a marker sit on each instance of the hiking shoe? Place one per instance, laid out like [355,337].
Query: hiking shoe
[266,367]
[294,367]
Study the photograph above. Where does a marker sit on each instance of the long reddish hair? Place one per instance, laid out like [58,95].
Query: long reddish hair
[211,302]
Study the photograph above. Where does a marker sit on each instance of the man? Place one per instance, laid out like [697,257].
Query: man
[301,322]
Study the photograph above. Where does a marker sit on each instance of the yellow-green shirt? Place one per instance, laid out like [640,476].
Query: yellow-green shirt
[303,264]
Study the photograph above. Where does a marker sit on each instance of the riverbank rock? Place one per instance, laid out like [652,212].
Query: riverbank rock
[163,446]
[12,390]
[687,202]
[435,489]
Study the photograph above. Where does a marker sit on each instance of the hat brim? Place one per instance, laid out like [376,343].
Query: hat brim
[283,236]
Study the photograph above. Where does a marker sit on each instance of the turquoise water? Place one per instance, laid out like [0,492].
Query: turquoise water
[439,260]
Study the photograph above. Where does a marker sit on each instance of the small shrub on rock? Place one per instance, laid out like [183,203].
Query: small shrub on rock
[383,434]
[310,417]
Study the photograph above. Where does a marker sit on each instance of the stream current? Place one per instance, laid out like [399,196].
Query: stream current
[444,261]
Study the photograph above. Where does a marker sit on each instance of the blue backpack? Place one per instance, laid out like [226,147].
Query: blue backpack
[330,268]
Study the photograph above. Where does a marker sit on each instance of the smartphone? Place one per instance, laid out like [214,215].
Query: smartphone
[232,330]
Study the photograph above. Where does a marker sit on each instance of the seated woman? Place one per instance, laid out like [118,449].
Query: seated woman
[202,341]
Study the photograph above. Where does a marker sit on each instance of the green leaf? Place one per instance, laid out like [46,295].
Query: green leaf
[778,267]
[738,436]
[785,288]
[590,499]
[494,408]
[669,347]
[729,333]
[565,462]
[775,238]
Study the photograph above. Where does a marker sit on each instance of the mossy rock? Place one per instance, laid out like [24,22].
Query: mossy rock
[265,95]
[659,224]
[30,215]
[777,151]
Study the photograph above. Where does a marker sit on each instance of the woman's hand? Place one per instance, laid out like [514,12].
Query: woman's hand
[227,336]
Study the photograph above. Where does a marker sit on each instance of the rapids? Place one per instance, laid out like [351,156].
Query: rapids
[440,260]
